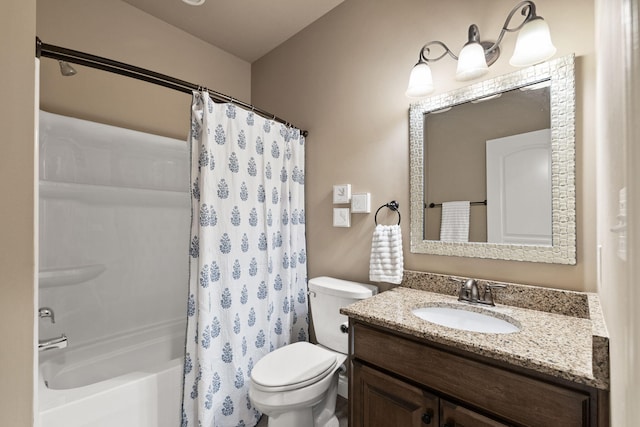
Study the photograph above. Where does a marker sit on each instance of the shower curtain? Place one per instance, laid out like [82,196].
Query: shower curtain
[248,275]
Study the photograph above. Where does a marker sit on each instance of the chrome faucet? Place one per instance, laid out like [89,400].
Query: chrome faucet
[52,343]
[470,293]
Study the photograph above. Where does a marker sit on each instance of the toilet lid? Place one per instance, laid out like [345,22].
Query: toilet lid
[293,366]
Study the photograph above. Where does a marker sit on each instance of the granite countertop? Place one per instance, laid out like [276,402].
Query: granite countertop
[564,346]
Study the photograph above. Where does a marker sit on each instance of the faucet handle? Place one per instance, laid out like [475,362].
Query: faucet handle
[461,291]
[487,297]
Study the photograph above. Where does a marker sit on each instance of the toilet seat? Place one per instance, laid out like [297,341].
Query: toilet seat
[293,366]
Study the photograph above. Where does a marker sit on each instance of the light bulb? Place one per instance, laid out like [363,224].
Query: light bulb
[533,44]
[420,81]
[471,62]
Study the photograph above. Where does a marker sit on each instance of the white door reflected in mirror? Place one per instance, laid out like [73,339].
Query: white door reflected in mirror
[519,189]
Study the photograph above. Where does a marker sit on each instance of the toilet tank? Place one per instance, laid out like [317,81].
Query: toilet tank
[326,296]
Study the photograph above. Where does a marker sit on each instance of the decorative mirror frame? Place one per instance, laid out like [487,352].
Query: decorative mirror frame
[562,98]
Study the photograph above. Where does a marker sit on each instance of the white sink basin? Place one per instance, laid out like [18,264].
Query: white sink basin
[466,320]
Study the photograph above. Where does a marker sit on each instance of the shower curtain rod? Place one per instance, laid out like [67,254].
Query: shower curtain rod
[105,64]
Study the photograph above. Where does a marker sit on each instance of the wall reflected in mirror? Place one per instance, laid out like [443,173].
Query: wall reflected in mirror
[494,152]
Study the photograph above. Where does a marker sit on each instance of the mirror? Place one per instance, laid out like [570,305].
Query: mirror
[499,160]
[458,142]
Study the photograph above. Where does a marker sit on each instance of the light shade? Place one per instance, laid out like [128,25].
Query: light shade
[471,62]
[533,44]
[420,81]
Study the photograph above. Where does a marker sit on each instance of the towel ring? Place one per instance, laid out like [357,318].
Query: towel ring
[393,205]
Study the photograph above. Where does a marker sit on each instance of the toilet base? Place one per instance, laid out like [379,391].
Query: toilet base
[301,417]
[320,413]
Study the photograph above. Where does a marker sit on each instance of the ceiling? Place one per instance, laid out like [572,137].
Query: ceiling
[247,29]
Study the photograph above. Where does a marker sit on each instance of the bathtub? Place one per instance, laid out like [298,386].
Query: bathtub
[131,380]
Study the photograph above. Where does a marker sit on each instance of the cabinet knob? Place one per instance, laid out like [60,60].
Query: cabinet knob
[426,418]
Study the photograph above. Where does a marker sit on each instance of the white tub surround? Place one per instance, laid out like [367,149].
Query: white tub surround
[114,227]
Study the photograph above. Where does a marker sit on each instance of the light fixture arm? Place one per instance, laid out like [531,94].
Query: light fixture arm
[425,51]
[527,9]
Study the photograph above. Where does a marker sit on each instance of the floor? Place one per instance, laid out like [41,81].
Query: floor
[342,411]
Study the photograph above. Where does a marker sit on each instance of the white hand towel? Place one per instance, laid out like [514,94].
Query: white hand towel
[454,226]
[386,263]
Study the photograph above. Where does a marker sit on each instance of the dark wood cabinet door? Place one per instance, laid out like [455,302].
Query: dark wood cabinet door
[380,400]
[452,415]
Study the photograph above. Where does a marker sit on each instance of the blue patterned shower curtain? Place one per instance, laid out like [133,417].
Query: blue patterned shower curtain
[248,270]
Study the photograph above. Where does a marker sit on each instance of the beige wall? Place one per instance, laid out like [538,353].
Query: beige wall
[116,30]
[17,247]
[343,78]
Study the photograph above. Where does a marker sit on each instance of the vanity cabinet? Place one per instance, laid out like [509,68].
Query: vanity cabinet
[398,380]
[386,401]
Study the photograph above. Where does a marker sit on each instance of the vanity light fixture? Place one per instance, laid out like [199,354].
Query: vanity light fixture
[194,2]
[533,46]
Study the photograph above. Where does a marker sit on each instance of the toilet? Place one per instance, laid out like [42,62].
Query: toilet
[297,385]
